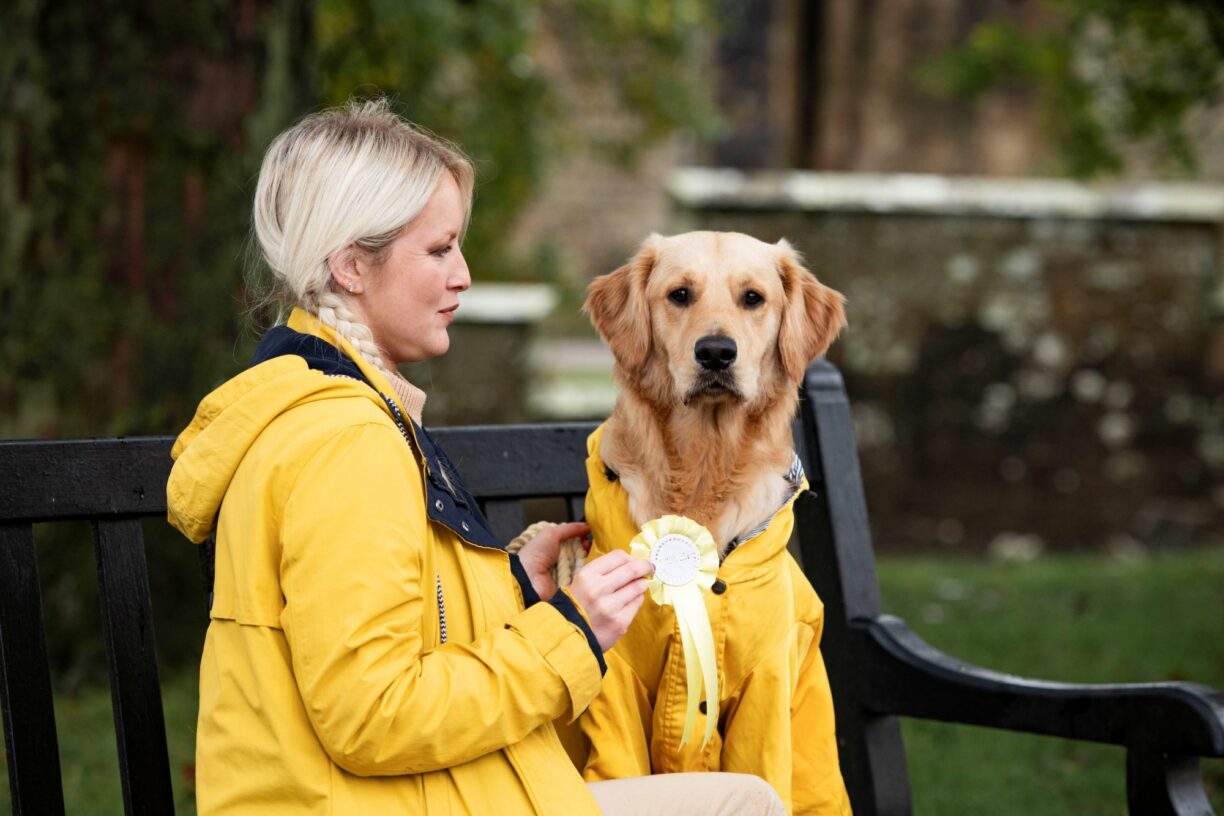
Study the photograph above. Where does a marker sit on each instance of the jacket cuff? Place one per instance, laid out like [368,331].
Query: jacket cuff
[565,604]
[565,651]
[530,596]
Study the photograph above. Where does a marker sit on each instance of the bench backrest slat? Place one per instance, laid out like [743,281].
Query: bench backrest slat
[575,507]
[831,450]
[25,679]
[84,478]
[835,543]
[505,517]
[127,618]
[517,461]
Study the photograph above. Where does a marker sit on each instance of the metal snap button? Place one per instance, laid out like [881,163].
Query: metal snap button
[718,587]
[438,504]
[702,706]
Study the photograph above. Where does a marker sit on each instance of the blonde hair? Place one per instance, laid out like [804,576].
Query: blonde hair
[341,180]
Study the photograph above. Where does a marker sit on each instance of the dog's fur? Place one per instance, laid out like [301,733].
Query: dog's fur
[710,445]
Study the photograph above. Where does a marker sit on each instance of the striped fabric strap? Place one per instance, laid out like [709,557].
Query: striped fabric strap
[403,429]
[441,609]
[794,480]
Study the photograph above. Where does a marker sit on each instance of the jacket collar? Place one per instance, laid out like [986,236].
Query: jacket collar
[448,500]
[304,322]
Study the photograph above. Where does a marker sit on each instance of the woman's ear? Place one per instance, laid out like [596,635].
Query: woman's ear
[346,271]
[811,318]
[616,304]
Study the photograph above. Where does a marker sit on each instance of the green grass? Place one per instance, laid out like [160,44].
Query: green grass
[89,759]
[1080,619]
[1076,619]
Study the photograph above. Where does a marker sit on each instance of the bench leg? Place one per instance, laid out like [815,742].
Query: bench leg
[1161,785]
[25,679]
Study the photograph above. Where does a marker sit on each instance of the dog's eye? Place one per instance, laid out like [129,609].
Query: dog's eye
[753,298]
[680,296]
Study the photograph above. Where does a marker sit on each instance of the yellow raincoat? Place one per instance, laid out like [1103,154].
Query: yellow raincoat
[327,684]
[776,710]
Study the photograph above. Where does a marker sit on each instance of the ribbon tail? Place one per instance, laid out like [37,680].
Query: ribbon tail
[692,662]
[691,614]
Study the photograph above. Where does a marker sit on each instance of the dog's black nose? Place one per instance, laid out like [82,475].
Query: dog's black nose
[715,352]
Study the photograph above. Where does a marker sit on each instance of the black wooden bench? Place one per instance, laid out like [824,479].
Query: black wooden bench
[879,669]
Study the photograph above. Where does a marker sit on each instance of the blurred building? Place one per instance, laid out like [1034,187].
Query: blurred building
[1036,360]
[828,85]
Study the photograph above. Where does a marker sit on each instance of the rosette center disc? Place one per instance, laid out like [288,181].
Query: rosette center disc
[676,559]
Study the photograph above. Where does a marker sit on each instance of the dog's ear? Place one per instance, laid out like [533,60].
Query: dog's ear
[812,316]
[616,304]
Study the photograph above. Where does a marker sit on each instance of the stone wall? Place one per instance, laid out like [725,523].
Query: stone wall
[1031,363]
[487,376]
[830,86]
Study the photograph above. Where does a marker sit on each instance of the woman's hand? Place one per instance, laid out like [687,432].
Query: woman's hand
[539,555]
[610,590]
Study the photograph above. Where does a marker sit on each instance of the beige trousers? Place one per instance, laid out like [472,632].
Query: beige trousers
[688,794]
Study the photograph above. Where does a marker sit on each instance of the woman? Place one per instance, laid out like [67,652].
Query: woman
[372,649]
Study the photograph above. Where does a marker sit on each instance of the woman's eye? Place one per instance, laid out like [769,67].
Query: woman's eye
[753,298]
[680,296]
[443,251]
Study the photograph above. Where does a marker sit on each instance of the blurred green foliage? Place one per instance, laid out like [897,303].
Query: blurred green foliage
[129,149]
[133,133]
[505,78]
[1108,74]
[130,136]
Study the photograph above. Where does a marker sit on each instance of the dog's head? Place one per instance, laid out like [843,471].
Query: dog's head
[714,317]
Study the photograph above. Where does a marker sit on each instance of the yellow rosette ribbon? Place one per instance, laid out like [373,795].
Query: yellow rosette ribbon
[686,563]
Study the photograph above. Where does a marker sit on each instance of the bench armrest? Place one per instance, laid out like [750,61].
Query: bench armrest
[905,675]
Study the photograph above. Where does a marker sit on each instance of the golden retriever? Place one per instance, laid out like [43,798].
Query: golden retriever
[711,332]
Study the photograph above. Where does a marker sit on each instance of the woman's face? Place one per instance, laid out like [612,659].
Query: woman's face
[409,301]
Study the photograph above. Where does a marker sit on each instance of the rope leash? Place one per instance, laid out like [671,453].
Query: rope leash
[570,560]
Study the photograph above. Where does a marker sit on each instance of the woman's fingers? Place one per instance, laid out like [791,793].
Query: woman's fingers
[539,555]
[610,590]
[628,595]
[571,529]
[631,609]
[549,538]
[629,571]
[606,563]
[615,570]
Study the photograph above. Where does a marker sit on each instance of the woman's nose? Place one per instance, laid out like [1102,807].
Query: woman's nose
[460,278]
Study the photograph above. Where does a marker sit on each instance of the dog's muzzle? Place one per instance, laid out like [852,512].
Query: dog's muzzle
[715,352]
[716,385]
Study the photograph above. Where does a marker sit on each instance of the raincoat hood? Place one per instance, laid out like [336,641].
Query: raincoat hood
[284,374]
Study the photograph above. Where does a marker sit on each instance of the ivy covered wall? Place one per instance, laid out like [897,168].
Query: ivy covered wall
[130,141]
[132,136]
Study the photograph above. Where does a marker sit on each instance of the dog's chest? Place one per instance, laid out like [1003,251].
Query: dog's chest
[728,518]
